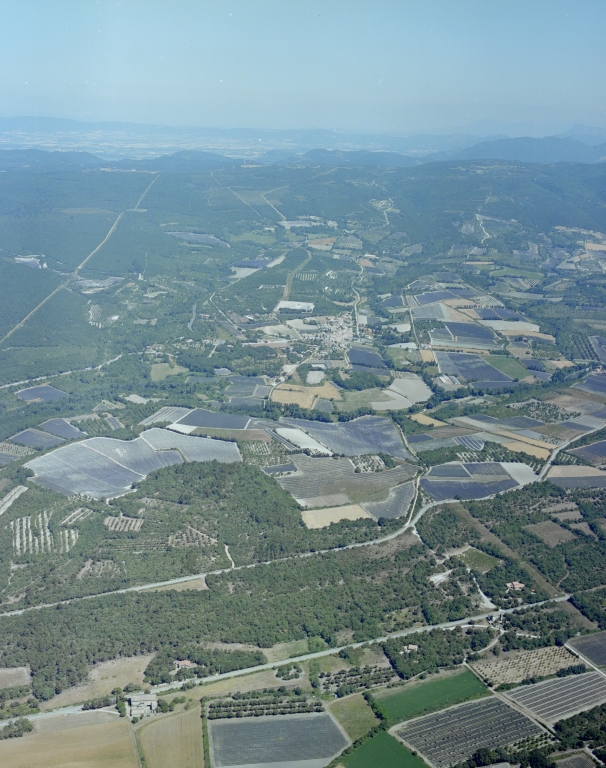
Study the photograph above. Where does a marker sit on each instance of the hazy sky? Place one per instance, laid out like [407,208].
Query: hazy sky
[373,65]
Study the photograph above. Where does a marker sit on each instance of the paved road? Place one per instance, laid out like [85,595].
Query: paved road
[331,651]
[159,689]
[74,274]
[409,525]
[563,447]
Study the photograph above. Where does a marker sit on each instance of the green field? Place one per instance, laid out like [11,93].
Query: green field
[419,698]
[354,714]
[508,365]
[384,751]
[360,399]
[479,561]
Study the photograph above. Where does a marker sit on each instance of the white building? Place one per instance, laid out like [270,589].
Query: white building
[295,306]
[142,704]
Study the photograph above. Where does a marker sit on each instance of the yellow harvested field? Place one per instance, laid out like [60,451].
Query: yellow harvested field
[304,396]
[595,247]
[531,450]
[74,720]
[572,471]
[103,678]
[523,439]
[534,334]
[322,518]
[109,745]
[561,363]
[427,356]
[174,741]
[354,714]
[427,421]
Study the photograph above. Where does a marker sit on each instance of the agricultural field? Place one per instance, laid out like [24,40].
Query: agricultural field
[478,560]
[354,715]
[321,518]
[304,396]
[453,735]
[554,700]
[592,647]
[595,453]
[174,741]
[102,679]
[89,746]
[523,665]
[423,696]
[295,459]
[326,482]
[382,750]
[285,739]
[369,434]
[108,468]
[474,480]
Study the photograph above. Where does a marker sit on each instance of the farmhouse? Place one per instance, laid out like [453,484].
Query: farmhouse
[184,664]
[515,585]
[142,704]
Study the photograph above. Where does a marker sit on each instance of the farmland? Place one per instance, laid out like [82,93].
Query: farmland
[354,715]
[279,739]
[174,741]
[554,700]
[523,665]
[453,735]
[369,434]
[592,647]
[107,468]
[300,461]
[383,750]
[421,697]
[90,746]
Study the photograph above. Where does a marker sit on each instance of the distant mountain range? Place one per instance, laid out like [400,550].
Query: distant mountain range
[551,149]
[43,161]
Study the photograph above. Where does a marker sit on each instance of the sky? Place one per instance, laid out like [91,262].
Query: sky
[384,66]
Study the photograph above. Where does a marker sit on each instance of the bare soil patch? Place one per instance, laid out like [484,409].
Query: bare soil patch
[13,676]
[551,533]
[322,518]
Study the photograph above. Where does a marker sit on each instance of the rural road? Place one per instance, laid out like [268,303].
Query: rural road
[74,709]
[332,651]
[74,274]
[409,525]
[184,579]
